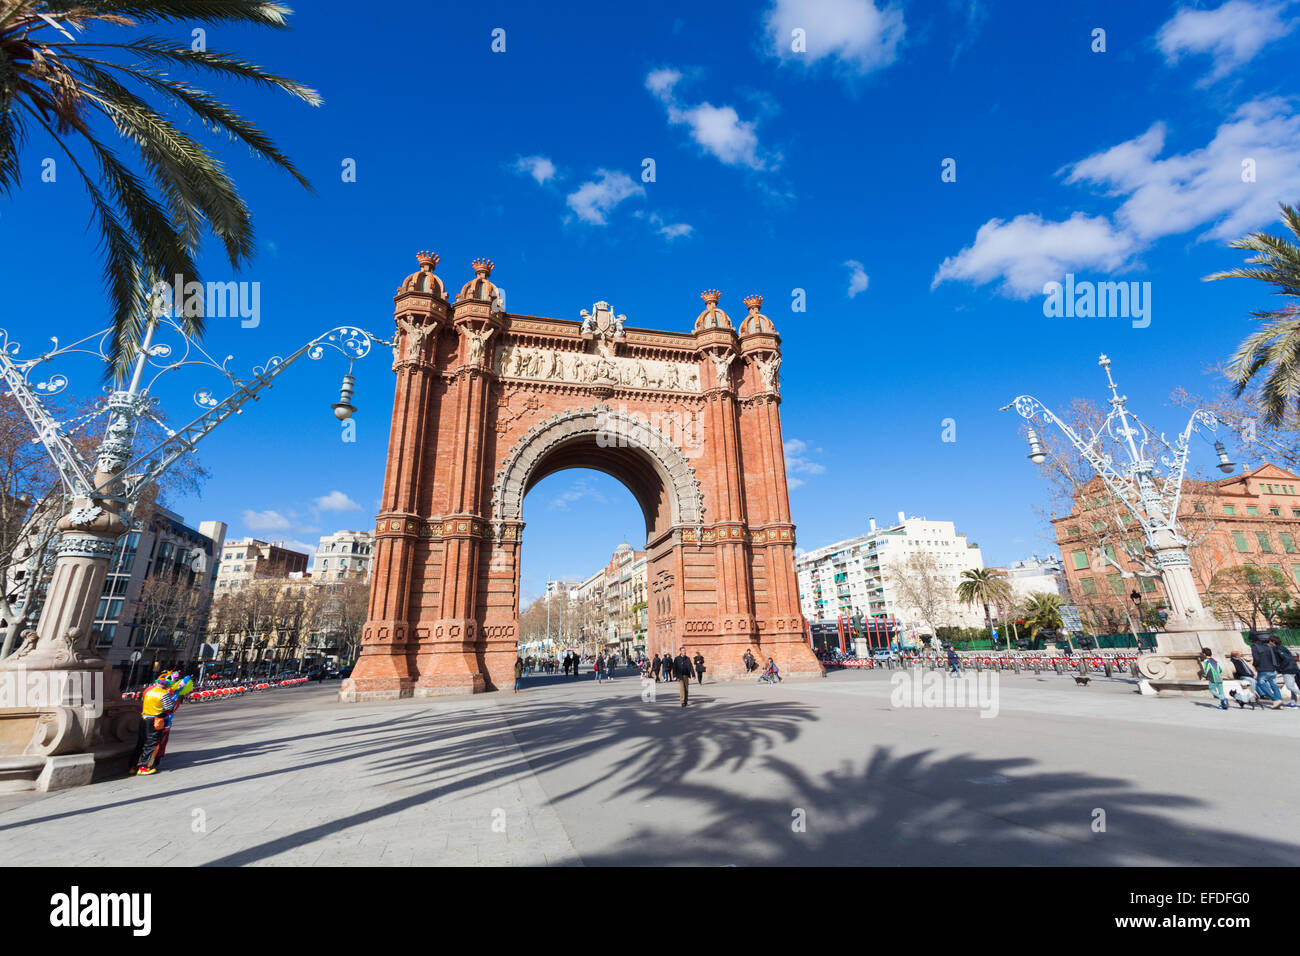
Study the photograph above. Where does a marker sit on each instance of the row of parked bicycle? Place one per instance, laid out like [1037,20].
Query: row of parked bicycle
[216,690]
[1017,663]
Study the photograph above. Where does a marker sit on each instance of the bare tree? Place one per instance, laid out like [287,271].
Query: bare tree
[1247,593]
[165,612]
[924,590]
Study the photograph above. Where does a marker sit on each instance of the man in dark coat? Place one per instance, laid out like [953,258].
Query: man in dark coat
[682,669]
[668,665]
[698,661]
[1265,661]
[655,665]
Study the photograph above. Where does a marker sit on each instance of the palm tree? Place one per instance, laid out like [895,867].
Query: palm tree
[1276,346]
[984,586]
[74,87]
[1042,611]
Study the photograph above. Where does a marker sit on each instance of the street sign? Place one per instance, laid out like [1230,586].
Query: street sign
[1070,617]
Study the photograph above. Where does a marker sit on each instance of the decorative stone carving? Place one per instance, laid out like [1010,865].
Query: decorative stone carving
[415,336]
[477,339]
[602,321]
[676,471]
[768,369]
[721,365]
[579,368]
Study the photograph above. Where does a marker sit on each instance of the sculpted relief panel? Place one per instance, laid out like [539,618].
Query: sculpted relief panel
[603,368]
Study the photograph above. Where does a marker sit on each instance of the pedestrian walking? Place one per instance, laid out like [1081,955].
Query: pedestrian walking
[1241,671]
[656,665]
[1265,661]
[682,669]
[519,672]
[698,661]
[954,662]
[1287,669]
[1213,673]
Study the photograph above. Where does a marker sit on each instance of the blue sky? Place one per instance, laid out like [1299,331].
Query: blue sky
[775,170]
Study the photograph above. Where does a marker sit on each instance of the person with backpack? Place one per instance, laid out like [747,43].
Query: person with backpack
[1287,669]
[1213,673]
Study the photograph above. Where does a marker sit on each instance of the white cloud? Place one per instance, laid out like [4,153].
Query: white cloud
[1029,251]
[578,491]
[670,230]
[1200,189]
[718,130]
[857,277]
[1230,35]
[539,167]
[797,462]
[857,35]
[595,199]
[265,521]
[336,501]
[1204,186]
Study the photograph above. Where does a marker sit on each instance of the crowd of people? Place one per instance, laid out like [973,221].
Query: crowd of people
[1270,661]
[661,668]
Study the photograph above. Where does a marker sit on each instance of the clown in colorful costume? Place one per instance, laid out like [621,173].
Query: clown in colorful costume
[159,702]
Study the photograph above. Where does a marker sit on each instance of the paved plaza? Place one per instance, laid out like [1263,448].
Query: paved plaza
[811,772]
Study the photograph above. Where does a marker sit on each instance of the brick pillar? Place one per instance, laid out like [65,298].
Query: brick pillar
[457,663]
[782,634]
[387,665]
[734,626]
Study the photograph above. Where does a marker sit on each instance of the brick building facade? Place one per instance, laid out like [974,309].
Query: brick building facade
[1247,519]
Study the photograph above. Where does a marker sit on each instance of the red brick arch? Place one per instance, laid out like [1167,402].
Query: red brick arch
[487,403]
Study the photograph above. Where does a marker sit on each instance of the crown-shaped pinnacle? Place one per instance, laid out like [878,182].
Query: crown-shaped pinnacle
[753,302]
[710,296]
[429,259]
[483,267]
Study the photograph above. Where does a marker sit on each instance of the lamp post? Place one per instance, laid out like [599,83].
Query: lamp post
[1152,499]
[103,494]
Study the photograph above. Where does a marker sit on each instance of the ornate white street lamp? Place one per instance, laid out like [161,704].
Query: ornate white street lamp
[103,494]
[1152,499]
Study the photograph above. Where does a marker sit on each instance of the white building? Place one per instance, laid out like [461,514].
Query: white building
[853,577]
[343,555]
[1036,575]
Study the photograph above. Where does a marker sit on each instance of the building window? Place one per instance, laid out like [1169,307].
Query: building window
[1199,508]
[1229,509]
[1240,538]
[1275,512]
[1148,584]
[1116,583]
[1089,586]
[1288,542]
[1073,531]
[1080,560]
[1264,544]
[1252,510]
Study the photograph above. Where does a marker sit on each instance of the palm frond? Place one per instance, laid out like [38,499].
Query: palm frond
[160,49]
[260,12]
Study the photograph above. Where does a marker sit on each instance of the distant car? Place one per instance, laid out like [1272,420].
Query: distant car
[345,672]
[881,654]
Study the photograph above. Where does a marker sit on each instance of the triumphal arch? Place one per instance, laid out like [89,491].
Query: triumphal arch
[489,402]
